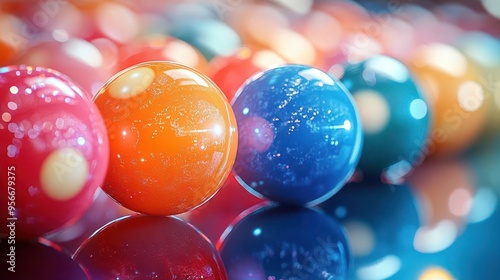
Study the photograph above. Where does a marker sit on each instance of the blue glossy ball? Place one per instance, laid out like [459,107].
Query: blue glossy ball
[299,135]
[285,243]
[394,114]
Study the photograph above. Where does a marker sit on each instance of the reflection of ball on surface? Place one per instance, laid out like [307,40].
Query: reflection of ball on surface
[56,149]
[149,247]
[285,243]
[392,109]
[172,136]
[445,191]
[300,135]
[382,234]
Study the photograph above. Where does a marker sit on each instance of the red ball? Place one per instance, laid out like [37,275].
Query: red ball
[230,72]
[150,247]
[54,150]
[161,48]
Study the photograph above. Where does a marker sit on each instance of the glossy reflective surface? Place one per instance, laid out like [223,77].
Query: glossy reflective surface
[172,136]
[54,149]
[392,110]
[300,135]
[445,191]
[102,211]
[381,223]
[149,247]
[285,243]
[213,217]
[38,260]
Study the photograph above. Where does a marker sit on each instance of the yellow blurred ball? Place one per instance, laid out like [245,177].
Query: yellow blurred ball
[454,92]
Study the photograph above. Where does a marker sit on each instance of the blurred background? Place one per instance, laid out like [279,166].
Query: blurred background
[440,221]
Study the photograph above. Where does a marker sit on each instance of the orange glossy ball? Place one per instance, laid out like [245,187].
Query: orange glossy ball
[173,137]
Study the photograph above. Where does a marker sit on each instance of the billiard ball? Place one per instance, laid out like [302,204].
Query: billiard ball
[381,222]
[156,48]
[266,26]
[76,58]
[114,21]
[285,243]
[210,36]
[54,150]
[149,247]
[172,137]
[393,110]
[256,22]
[10,43]
[299,135]
[230,72]
[455,96]
[323,31]
[481,49]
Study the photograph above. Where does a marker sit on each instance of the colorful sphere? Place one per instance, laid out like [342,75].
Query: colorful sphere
[55,150]
[455,95]
[392,109]
[231,72]
[285,243]
[211,37]
[172,134]
[150,247]
[156,48]
[482,50]
[300,135]
[11,43]
[76,58]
